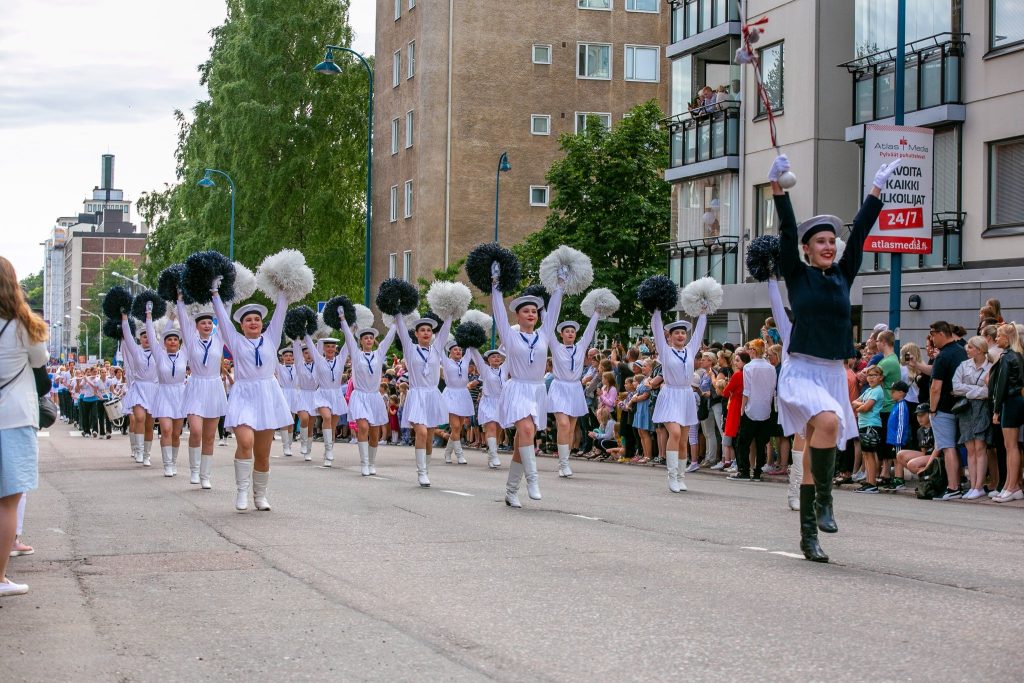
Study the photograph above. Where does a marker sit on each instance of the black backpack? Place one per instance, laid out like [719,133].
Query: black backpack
[932,482]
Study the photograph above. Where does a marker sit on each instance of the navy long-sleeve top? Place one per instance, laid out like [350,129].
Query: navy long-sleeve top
[820,299]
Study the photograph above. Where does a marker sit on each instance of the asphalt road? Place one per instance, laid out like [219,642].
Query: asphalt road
[138,577]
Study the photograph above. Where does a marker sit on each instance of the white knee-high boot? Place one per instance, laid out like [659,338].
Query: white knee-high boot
[515,476]
[422,467]
[460,457]
[529,458]
[563,461]
[174,459]
[205,465]
[243,480]
[286,441]
[448,451]
[147,448]
[364,457]
[493,461]
[260,481]
[371,453]
[328,448]
[194,460]
[166,455]
[672,465]
[796,478]
[306,448]
[135,440]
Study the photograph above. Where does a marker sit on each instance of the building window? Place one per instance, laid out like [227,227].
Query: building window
[394,136]
[541,54]
[408,129]
[398,9]
[642,63]
[771,67]
[594,4]
[408,199]
[1006,25]
[538,195]
[396,68]
[581,120]
[594,60]
[764,211]
[540,124]
[1006,183]
[392,265]
[642,6]
[393,213]
[410,60]
[407,266]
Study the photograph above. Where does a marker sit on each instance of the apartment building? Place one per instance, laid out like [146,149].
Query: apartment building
[829,68]
[459,83]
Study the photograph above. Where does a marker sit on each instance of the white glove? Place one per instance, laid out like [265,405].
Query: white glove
[779,166]
[495,271]
[215,285]
[563,274]
[884,171]
[149,307]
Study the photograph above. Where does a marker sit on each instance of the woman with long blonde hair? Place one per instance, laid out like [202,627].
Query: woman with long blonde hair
[1006,384]
[23,337]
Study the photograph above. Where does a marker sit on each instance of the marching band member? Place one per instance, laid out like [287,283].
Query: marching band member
[365,406]
[205,399]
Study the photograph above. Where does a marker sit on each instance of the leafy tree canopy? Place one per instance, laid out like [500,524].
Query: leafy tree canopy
[32,285]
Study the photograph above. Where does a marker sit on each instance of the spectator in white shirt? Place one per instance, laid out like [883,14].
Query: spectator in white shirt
[759,380]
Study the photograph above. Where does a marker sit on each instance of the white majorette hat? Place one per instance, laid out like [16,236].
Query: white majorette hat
[247,309]
[568,323]
[367,331]
[328,340]
[450,344]
[285,349]
[171,332]
[814,225]
[488,354]
[426,321]
[202,315]
[527,300]
[676,324]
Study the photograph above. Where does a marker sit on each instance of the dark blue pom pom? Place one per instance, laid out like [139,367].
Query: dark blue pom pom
[112,328]
[470,335]
[478,267]
[331,316]
[397,296]
[200,270]
[139,305]
[657,293]
[763,257]
[117,301]
[299,322]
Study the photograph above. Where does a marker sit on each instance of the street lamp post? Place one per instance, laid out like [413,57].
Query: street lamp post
[87,333]
[330,68]
[133,280]
[207,181]
[503,167]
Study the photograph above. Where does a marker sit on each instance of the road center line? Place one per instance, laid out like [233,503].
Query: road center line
[592,519]
[753,547]
[457,493]
[785,554]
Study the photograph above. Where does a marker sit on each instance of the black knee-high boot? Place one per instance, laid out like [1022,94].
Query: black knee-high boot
[823,467]
[809,527]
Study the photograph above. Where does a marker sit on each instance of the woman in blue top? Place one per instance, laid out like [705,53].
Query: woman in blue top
[812,391]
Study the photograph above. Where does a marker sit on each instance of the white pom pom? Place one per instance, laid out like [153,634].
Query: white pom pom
[787,180]
[572,265]
[410,319]
[285,272]
[840,249]
[600,300]
[701,296]
[196,309]
[364,317]
[172,313]
[245,283]
[322,328]
[449,299]
[480,318]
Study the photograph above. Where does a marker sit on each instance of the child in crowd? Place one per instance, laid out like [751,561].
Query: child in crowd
[603,435]
[391,429]
[916,461]
[898,429]
[869,421]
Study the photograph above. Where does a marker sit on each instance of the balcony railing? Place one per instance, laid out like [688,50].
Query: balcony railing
[932,77]
[692,259]
[690,17]
[947,248]
[704,133]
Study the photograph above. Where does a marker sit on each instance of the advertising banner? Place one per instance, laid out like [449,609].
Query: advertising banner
[905,224]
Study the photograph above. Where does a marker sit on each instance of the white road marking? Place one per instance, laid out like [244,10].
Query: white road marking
[378,477]
[753,547]
[73,433]
[43,435]
[592,519]
[457,493]
[58,531]
[785,554]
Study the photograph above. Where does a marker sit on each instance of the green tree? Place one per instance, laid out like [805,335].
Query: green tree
[612,203]
[292,140]
[100,286]
[33,288]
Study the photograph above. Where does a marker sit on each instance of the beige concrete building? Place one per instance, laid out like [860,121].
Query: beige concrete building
[460,82]
[830,68]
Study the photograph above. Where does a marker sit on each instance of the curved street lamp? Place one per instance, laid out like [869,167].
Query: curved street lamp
[207,181]
[328,67]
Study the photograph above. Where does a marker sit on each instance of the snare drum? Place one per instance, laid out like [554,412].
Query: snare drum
[113,410]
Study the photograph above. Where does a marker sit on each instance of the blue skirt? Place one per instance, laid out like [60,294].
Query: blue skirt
[19,460]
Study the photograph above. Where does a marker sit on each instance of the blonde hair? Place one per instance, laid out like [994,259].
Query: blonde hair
[874,370]
[13,305]
[979,343]
[914,351]
[1009,330]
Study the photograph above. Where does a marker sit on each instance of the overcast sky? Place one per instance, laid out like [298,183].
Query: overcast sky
[81,78]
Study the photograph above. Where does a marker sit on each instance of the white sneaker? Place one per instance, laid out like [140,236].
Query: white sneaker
[859,476]
[1008,496]
[994,494]
[732,469]
[222,442]
[8,587]
[718,466]
[693,467]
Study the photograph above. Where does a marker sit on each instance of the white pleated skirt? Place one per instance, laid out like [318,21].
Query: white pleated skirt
[566,396]
[521,399]
[139,394]
[675,404]
[424,406]
[809,386]
[459,402]
[205,397]
[489,410]
[333,399]
[367,405]
[303,400]
[170,401]
[258,404]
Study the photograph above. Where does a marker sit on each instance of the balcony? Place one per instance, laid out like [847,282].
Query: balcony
[932,86]
[947,248]
[695,22]
[703,142]
[692,259]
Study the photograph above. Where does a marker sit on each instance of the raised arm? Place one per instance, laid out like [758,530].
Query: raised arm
[779,311]
[276,326]
[442,336]
[185,322]
[500,314]
[387,341]
[862,223]
[551,314]
[128,340]
[224,326]
[478,361]
[658,332]
[789,246]
[314,351]
[155,345]
[351,345]
[588,333]
[403,335]
[697,338]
